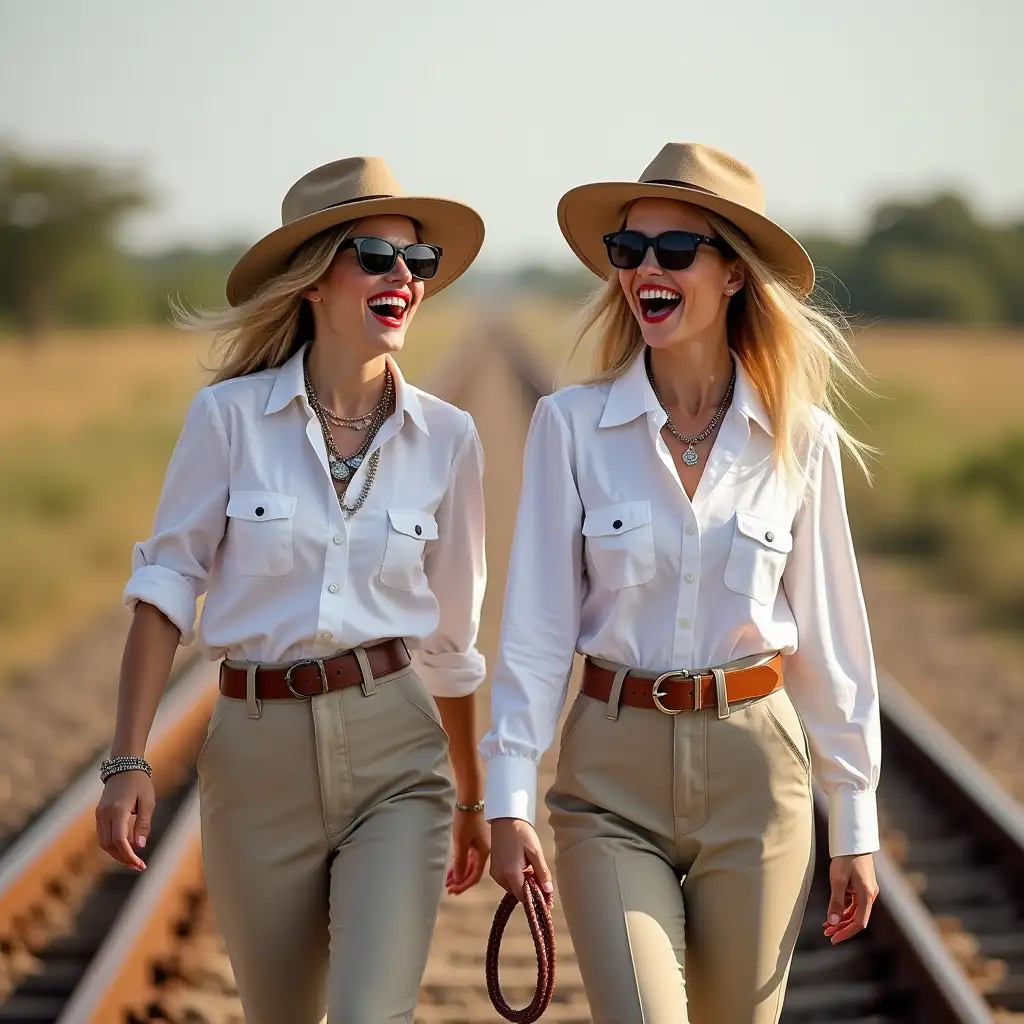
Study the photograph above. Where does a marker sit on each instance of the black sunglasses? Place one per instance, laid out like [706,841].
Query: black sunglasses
[378,256]
[674,250]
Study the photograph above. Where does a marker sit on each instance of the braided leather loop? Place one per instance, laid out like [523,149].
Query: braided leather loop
[538,913]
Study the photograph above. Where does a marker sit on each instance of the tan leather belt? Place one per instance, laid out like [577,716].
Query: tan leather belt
[306,678]
[674,692]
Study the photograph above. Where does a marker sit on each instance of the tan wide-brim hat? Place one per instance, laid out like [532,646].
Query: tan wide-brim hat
[345,190]
[690,173]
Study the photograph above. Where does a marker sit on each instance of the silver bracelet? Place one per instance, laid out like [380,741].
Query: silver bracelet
[124,764]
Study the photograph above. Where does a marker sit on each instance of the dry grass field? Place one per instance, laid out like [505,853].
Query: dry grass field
[87,423]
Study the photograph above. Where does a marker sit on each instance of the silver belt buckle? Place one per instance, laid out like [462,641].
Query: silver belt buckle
[319,662]
[656,696]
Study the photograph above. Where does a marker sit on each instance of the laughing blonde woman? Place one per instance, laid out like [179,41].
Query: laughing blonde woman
[333,515]
[682,526]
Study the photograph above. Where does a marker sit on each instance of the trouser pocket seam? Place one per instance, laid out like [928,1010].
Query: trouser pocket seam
[787,739]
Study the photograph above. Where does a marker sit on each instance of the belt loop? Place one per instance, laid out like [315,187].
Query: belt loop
[254,706]
[364,670]
[611,711]
[721,697]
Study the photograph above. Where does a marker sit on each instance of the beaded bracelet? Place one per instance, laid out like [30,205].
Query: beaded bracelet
[470,808]
[124,764]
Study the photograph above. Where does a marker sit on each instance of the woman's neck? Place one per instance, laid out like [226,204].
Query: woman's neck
[692,376]
[347,384]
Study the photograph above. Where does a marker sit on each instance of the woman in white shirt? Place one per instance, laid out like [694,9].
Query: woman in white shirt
[682,525]
[333,515]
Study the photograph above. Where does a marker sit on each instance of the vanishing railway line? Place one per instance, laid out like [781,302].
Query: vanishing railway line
[83,940]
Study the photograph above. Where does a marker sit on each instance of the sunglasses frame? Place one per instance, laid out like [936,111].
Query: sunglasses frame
[397,251]
[719,244]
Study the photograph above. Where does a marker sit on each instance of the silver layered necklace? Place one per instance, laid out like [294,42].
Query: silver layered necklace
[343,467]
[690,456]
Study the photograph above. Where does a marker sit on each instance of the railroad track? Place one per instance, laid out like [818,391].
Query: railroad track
[82,940]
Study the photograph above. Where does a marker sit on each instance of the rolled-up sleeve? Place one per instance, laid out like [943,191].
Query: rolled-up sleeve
[541,619]
[171,569]
[831,676]
[448,661]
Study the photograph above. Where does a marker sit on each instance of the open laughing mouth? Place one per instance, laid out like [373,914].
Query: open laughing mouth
[389,307]
[657,303]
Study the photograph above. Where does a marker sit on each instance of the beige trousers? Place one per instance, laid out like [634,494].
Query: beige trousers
[326,828]
[684,852]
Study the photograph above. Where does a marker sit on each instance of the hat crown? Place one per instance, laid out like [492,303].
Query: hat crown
[337,183]
[702,167]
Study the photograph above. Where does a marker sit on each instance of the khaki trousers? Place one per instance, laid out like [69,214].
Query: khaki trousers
[325,827]
[684,852]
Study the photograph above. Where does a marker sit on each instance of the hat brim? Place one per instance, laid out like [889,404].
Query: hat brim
[456,228]
[588,212]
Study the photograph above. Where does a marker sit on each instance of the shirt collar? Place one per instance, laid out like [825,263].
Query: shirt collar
[290,385]
[631,397]
[748,400]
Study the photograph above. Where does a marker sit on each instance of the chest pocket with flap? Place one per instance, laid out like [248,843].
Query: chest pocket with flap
[620,544]
[259,536]
[408,532]
[757,558]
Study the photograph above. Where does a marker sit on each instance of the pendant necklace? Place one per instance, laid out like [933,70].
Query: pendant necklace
[690,456]
[343,467]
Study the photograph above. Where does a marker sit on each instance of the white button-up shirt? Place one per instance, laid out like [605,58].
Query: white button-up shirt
[249,515]
[611,558]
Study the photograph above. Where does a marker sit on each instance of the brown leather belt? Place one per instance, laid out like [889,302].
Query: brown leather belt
[308,677]
[674,692]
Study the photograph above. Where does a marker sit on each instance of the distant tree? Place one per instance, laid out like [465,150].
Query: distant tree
[56,218]
[933,259]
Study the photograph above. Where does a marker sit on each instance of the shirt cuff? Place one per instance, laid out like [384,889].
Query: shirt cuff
[511,788]
[168,591]
[852,822]
[453,674]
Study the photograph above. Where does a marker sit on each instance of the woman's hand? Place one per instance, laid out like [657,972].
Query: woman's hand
[516,850]
[471,846]
[126,795]
[854,890]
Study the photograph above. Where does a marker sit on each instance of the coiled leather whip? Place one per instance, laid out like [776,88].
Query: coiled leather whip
[538,912]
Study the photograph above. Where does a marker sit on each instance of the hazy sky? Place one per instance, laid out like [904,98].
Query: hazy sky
[225,103]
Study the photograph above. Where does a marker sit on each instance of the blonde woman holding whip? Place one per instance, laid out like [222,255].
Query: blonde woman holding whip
[332,514]
[682,525]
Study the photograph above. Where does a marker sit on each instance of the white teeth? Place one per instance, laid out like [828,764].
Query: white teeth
[388,300]
[650,292]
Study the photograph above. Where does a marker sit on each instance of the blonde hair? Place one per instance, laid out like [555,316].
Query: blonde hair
[795,352]
[268,328]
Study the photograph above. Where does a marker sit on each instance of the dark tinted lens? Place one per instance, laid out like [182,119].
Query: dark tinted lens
[676,250]
[626,249]
[376,256]
[421,260]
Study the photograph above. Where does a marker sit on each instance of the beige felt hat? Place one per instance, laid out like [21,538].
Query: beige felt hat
[690,173]
[345,190]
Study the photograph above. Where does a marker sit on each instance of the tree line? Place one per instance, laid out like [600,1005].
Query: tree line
[62,261]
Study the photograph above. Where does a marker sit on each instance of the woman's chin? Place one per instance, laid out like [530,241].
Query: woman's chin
[383,339]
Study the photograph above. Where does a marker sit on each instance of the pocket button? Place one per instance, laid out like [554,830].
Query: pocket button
[769,536]
[260,510]
[617,525]
[419,529]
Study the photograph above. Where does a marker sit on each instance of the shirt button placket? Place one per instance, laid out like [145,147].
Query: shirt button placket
[689,584]
[333,597]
